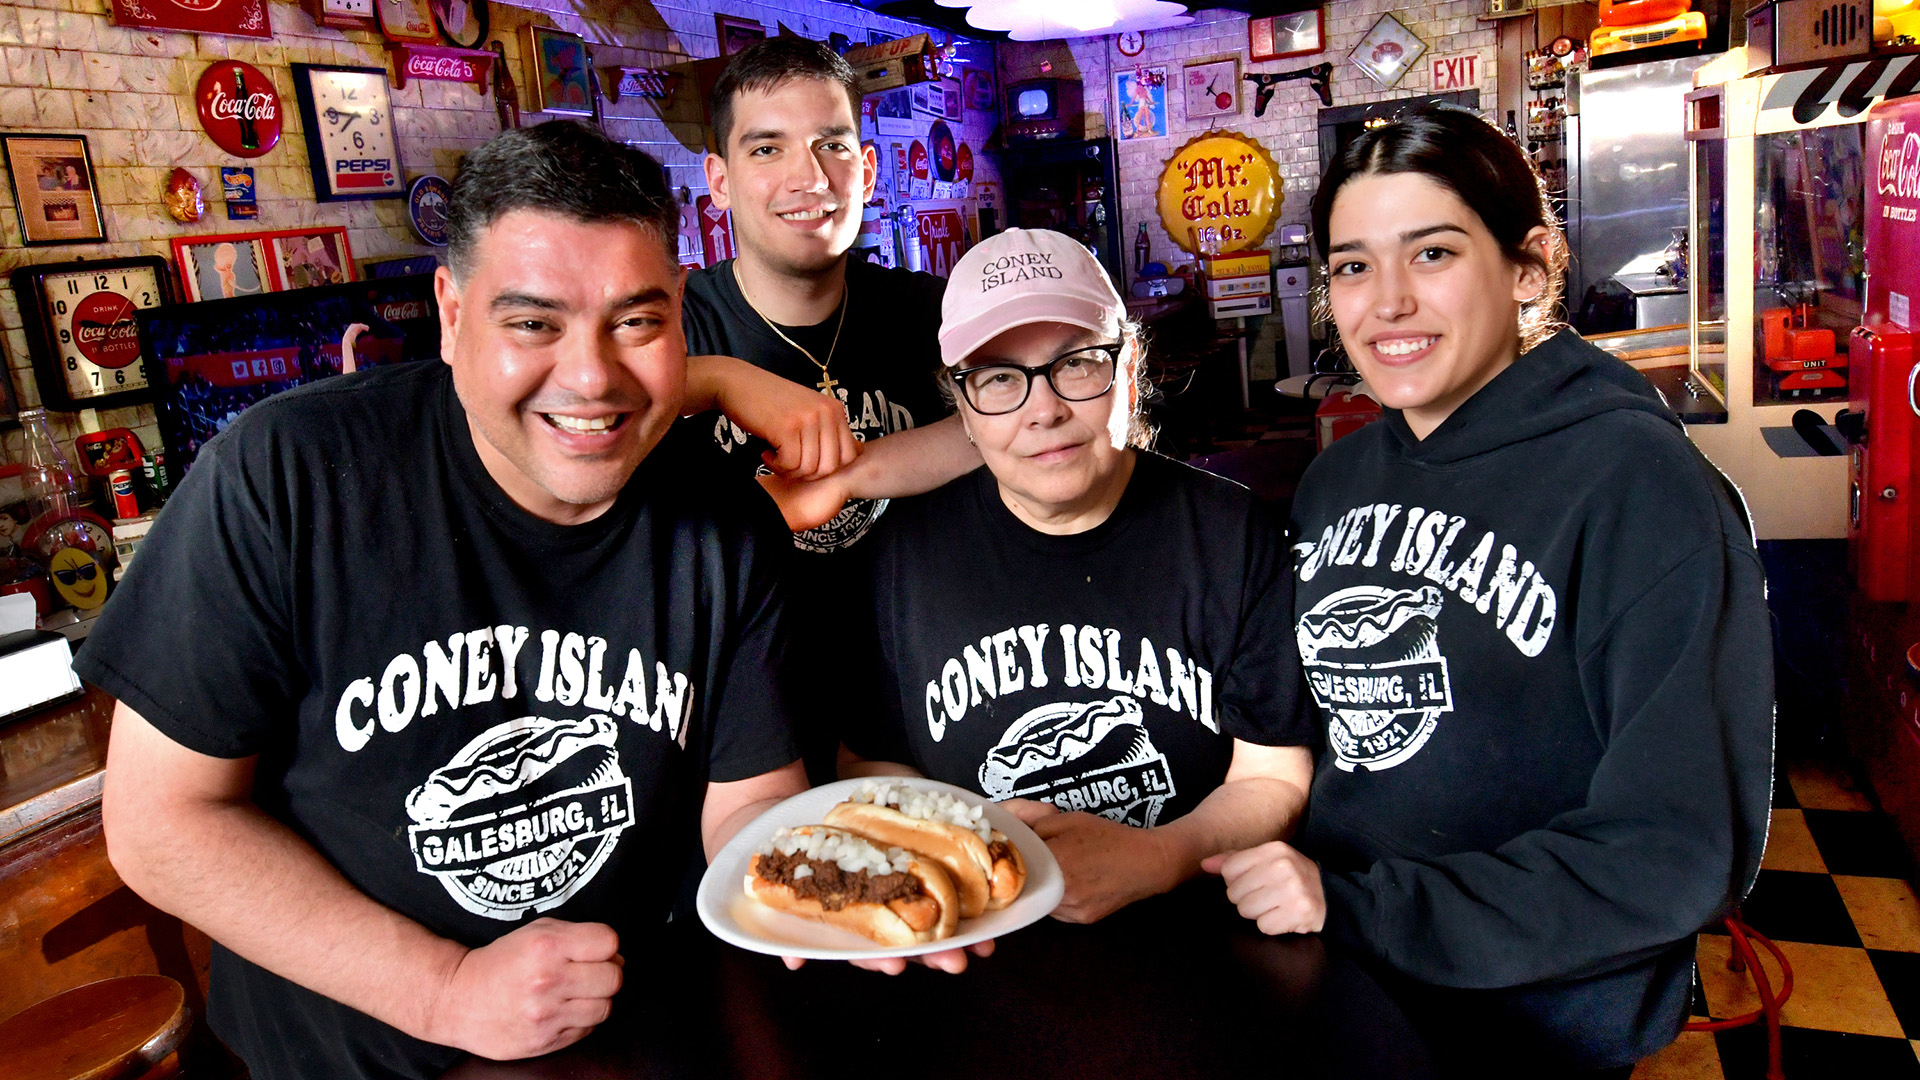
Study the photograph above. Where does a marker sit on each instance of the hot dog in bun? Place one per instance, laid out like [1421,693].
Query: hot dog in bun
[986,868]
[835,877]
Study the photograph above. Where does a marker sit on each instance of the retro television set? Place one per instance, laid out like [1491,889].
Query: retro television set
[1044,109]
[220,356]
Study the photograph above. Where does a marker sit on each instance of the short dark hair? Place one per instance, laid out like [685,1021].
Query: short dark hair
[765,65]
[560,167]
[1459,150]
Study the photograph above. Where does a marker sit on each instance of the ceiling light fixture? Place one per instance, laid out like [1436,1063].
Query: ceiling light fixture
[1044,20]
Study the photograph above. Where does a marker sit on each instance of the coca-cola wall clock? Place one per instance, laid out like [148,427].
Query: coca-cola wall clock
[348,114]
[245,18]
[239,108]
[81,331]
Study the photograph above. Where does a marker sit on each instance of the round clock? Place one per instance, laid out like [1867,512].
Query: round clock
[81,330]
[1131,43]
[1561,46]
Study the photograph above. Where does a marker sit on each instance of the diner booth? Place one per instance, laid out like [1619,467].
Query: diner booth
[209,204]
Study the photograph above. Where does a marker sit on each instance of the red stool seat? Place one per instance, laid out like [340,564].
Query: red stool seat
[106,1030]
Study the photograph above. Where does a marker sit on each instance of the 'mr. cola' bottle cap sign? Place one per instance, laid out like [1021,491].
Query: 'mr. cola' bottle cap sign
[239,108]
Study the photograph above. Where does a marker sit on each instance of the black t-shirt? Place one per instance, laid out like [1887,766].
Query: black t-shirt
[1107,671]
[478,716]
[883,367]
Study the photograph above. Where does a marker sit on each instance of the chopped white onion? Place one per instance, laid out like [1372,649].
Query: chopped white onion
[926,805]
[850,853]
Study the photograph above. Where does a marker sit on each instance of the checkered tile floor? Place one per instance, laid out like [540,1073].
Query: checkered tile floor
[1836,894]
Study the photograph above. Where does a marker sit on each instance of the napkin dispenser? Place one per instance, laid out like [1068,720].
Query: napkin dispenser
[36,669]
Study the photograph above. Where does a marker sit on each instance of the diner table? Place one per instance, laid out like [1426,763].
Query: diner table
[1172,987]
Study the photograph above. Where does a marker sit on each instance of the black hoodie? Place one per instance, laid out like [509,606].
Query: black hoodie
[1539,640]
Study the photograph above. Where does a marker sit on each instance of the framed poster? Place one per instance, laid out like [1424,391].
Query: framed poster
[1212,89]
[464,22]
[978,91]
[237,18]
[247,264]
[303,258]
[348,116]
[736,34]
[557,71]
[1141,95]
[80,328]
[220,267]
[950,102]
[1388,51]
[1276,37]
[54,190]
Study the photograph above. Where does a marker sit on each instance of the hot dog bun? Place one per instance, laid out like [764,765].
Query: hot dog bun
[928,913]
[986,868]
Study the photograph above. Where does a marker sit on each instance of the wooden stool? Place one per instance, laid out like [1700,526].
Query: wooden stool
[107,1030]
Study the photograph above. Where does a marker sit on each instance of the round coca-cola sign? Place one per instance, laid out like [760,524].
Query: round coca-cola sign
[239,108]
[104,330]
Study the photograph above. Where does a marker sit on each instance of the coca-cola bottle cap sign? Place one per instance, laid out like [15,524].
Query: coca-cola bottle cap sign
[239,108]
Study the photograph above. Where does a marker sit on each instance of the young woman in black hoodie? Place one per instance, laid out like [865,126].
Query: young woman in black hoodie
[1533,619]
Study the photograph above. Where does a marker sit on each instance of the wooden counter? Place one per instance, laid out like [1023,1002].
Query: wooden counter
[65,917]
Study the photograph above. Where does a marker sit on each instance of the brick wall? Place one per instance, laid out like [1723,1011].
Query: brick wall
[64,67]
[1288,130]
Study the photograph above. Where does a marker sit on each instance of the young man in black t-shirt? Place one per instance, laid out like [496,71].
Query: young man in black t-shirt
[431,676]
[789,165]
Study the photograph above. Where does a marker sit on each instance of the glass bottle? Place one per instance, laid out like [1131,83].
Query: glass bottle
[1142,250]
[48,480]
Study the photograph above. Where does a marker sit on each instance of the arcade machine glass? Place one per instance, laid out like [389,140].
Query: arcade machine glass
[1809,262]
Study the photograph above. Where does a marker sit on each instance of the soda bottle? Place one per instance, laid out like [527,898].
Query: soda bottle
[243,111]
[1142,250]
[48,480]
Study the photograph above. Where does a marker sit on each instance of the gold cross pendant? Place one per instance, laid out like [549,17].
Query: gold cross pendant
[826,384]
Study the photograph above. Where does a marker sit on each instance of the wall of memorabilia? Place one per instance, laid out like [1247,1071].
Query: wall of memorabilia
[192,146]
[1151,117]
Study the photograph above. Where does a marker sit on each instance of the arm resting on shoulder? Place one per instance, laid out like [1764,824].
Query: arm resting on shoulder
[806,429]
[904,463]
[183,832]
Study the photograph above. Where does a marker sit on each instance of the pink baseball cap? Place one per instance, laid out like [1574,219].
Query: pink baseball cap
[1024,276]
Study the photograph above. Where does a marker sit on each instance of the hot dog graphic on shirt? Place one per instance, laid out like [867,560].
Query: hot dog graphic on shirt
[1095,757]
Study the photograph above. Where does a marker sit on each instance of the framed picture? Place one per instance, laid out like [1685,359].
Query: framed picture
[219,267]
[407,20]
[464,22]
[922,98]
[978,91]
[304,258]
[950,106]
[247,264]
[1276,37]
[736,34]
[557,67]
[54,191]
[81,332]
[1212,89]
[1141,96]
[1388,51]
[348,117]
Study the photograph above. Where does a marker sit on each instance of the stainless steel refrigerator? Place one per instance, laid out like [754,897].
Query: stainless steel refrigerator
[1626,174]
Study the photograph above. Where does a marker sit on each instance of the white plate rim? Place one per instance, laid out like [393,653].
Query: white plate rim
[721,884]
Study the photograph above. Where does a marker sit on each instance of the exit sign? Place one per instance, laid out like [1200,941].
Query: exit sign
[1461,72]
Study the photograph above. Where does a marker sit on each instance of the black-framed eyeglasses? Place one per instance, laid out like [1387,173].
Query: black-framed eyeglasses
[1080,375]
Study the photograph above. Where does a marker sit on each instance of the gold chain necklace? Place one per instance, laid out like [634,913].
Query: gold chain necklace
[827,382]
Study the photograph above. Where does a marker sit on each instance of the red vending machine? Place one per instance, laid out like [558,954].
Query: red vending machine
[1882,513]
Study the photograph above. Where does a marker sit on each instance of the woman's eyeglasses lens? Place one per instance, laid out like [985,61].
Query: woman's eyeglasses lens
[1076,376]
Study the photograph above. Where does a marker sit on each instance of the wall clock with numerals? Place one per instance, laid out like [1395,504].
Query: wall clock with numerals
[81,330]
[348,116]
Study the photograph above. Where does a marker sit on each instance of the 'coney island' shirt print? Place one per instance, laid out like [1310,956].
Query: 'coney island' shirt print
[1375,659]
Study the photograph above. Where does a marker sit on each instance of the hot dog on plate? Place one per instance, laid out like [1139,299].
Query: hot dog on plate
[987,869]
[890,895]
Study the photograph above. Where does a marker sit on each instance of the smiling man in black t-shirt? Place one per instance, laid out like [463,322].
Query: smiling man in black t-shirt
[431,676]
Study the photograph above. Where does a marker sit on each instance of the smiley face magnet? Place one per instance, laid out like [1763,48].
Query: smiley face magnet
[78,579]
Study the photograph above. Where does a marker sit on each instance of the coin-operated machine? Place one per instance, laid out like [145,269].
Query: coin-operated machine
[1883,417]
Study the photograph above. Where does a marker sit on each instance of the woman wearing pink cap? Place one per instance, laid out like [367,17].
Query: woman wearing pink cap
[1093,632]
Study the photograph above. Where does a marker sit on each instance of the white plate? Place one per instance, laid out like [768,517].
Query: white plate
[733,918]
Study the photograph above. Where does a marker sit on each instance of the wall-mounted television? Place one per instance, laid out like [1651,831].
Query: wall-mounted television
[1043,109]
[221,356]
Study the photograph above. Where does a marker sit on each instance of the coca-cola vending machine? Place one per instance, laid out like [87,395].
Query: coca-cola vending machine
[1882,518]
